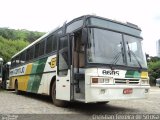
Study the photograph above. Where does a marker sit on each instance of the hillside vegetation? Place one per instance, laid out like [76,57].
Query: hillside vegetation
[12,41]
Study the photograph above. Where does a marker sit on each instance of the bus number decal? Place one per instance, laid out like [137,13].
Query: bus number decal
[53,62]
[105,72]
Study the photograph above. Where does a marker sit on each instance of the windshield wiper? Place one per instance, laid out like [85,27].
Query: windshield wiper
[136,59]
[134,55]
[117,56]
[129,52]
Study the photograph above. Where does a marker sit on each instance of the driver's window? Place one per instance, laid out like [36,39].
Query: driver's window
[63,62]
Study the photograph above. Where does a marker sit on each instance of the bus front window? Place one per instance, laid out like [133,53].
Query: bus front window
[135,55]
[107,47]
[104,47]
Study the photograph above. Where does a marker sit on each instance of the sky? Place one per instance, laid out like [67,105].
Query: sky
[45,15]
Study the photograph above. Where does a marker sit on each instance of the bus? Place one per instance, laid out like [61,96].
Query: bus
[5,75]
[90,59]
[1,64]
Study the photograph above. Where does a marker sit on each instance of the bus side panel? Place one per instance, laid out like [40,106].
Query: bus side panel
[23,80]
[36,75]
[44,87]
[42,73]
[48,73]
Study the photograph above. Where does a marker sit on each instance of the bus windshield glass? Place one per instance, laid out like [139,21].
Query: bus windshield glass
[134,52]
[107,47]
[104,46]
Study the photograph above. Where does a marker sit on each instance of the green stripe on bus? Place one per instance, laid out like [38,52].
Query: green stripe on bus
[36,75]
[132,74]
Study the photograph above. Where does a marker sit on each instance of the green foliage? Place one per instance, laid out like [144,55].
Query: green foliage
[12,41]
[154,69]
[12,34]
[9,47]
[154,65]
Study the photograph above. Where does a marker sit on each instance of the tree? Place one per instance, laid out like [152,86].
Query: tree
[12,41]
[154,69]
[9,47]
[26,35]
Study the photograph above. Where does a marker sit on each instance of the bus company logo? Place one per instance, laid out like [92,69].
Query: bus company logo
[110,72]
[18,71]
[52,63]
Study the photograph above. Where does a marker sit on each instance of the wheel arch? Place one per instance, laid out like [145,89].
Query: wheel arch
[16,81]
[51,83]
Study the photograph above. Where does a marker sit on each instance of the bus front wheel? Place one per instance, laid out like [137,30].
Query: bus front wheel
[59,103]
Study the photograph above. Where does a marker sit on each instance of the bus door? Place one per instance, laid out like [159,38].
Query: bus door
[78,63]
[63,74]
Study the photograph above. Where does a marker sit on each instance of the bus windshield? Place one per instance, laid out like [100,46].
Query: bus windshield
[107,47]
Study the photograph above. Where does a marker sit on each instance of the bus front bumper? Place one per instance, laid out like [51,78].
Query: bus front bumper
[102,93]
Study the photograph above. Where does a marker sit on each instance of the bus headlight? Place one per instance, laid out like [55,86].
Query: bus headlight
[144,81]
[102,80]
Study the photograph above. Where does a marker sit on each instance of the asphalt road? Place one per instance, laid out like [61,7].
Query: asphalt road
[41,106]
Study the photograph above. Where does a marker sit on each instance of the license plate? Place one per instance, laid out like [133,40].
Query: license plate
[127,91]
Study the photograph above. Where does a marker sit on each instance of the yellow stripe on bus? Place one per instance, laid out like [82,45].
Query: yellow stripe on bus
[23,80]
[29,68]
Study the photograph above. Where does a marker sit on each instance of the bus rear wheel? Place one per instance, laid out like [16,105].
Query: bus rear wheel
[16,88]
[59,103]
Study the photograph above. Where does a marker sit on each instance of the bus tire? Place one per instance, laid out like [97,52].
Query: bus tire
[59,103]
[16,88]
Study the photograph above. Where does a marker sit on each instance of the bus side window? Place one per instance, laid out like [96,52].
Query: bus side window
[36,50]
[31,52]
[54,43]
[49,45]
[17,61]
[22,57]
[13,62]
[41,48]
[29,55]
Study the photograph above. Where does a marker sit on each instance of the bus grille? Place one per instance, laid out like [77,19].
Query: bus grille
[127,81]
